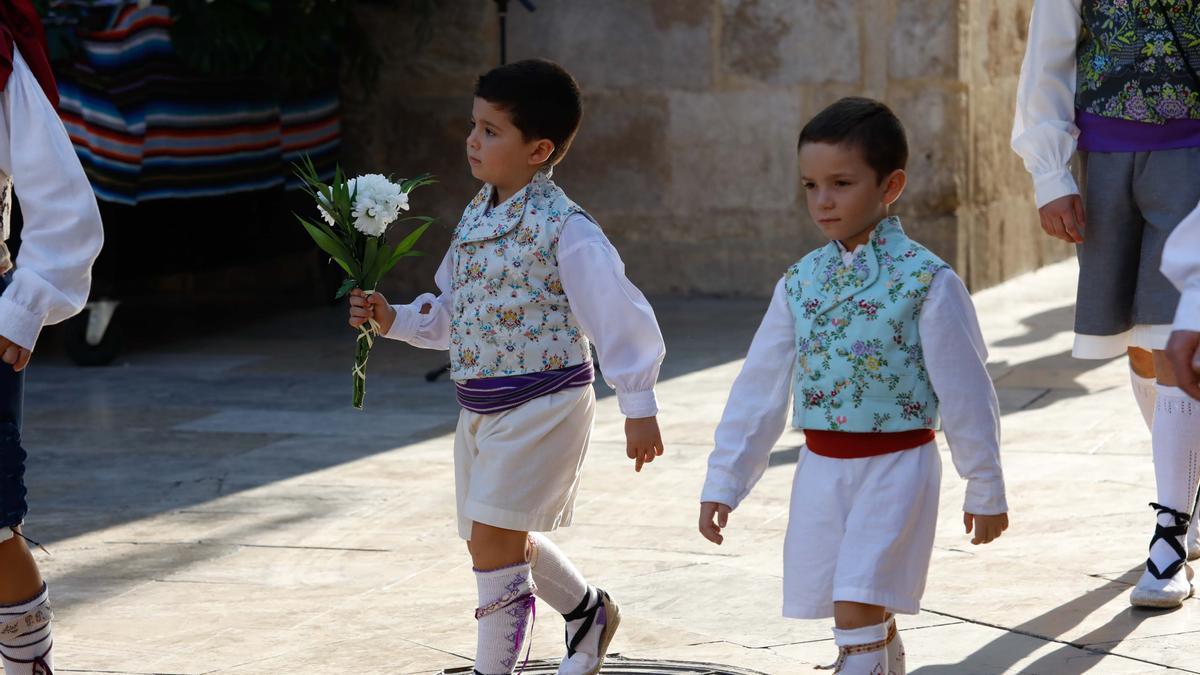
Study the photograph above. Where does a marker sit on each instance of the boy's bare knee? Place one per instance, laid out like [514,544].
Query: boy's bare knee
[857,615]
[1141,362]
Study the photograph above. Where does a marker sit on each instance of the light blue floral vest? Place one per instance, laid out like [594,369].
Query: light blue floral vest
[859,363]
[510,313]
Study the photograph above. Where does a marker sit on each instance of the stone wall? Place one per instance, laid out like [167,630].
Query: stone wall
[687,154]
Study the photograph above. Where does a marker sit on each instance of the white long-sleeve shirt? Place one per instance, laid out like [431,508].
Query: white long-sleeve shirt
[612,312]
[1181,264]
[955,357]
[1044,132]
[62,234]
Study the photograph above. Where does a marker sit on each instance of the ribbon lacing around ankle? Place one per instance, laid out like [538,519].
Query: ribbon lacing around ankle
[1170,534]
[526,598]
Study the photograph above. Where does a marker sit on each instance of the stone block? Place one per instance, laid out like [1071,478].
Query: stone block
[787,42]
[934,119]
[924,40]
[656,44]
[619,160]
[732,150]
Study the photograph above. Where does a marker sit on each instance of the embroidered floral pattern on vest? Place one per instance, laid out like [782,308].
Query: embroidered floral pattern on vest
[511,314]
[860,366]
[1133,60]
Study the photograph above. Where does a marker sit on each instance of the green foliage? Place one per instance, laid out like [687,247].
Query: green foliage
[365,259]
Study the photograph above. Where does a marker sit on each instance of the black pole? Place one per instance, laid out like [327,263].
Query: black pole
[502,6]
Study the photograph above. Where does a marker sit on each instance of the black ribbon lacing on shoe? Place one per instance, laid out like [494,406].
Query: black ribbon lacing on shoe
[588,614]
[1171,535]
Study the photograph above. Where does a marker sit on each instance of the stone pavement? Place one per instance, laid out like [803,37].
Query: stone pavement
[213,505]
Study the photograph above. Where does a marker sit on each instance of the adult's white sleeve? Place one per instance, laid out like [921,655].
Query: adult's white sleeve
[757,410]
[1181,264]
[1044,132]
[62,234]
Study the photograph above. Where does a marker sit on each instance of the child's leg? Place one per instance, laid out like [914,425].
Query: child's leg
[1141,376]
[861,637]
[895,648]
[24,610]
[505,586]
[592,616]
[1176,446]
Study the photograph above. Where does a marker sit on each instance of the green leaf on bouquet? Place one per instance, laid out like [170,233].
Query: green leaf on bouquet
[344,290]
[414,183]
[328,243]
[408,242]
[370,253]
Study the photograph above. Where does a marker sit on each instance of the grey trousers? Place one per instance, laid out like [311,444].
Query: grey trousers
[1132,202]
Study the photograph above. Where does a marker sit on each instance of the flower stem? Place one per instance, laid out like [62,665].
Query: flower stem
[362,352]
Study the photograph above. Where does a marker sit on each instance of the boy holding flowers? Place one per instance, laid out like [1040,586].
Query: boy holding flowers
[528,284]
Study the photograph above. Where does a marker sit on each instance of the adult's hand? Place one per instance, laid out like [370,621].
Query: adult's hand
[1063,219]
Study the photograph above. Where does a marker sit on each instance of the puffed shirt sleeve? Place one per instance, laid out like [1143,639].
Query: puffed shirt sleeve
[956,360]
[613,313]
[431,330]
[756,413]
[1044,132]
[1181,264]
[62,234]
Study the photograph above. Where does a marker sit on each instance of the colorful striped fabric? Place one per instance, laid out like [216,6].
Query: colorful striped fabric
[145,129]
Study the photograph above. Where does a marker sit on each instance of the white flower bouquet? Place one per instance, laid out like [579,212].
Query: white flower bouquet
[357,213]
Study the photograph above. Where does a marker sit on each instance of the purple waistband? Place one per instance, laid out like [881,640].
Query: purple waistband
[496,394]
[1107,134]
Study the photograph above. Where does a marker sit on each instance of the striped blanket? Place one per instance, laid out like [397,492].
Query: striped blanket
[146,129]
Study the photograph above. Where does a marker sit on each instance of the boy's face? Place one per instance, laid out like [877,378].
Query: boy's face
[845,197]
[497,150]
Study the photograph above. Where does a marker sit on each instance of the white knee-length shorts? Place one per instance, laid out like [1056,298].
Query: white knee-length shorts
[860,530]
[519,469]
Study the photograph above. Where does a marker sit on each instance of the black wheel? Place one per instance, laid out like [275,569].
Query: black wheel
[84,354]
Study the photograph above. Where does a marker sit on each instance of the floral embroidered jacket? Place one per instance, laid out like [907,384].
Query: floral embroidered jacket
[510,313]
[860,365]
[1137,60]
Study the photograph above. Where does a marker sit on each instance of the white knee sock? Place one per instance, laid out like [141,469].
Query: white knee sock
[895,650]
[1145,392]
[504,615]
[563,587]
[1176,444]
[861,651]
[25,636]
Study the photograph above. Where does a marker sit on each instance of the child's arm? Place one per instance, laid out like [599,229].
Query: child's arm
[425,322]
[755,417]
[1181,264]
[1044,130]
[620,322]
[62,234]
[956,360]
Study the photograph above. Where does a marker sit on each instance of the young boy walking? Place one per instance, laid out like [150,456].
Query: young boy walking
[875,339]
[528,284]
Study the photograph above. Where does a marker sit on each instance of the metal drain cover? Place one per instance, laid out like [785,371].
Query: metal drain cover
[615,664]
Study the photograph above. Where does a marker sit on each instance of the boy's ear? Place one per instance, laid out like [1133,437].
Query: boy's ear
[894,186]
[541,151]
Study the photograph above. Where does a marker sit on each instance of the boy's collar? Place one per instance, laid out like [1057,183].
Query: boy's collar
[542,176]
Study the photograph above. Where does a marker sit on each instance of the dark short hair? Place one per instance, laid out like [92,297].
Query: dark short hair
[865,124]
[541,97]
